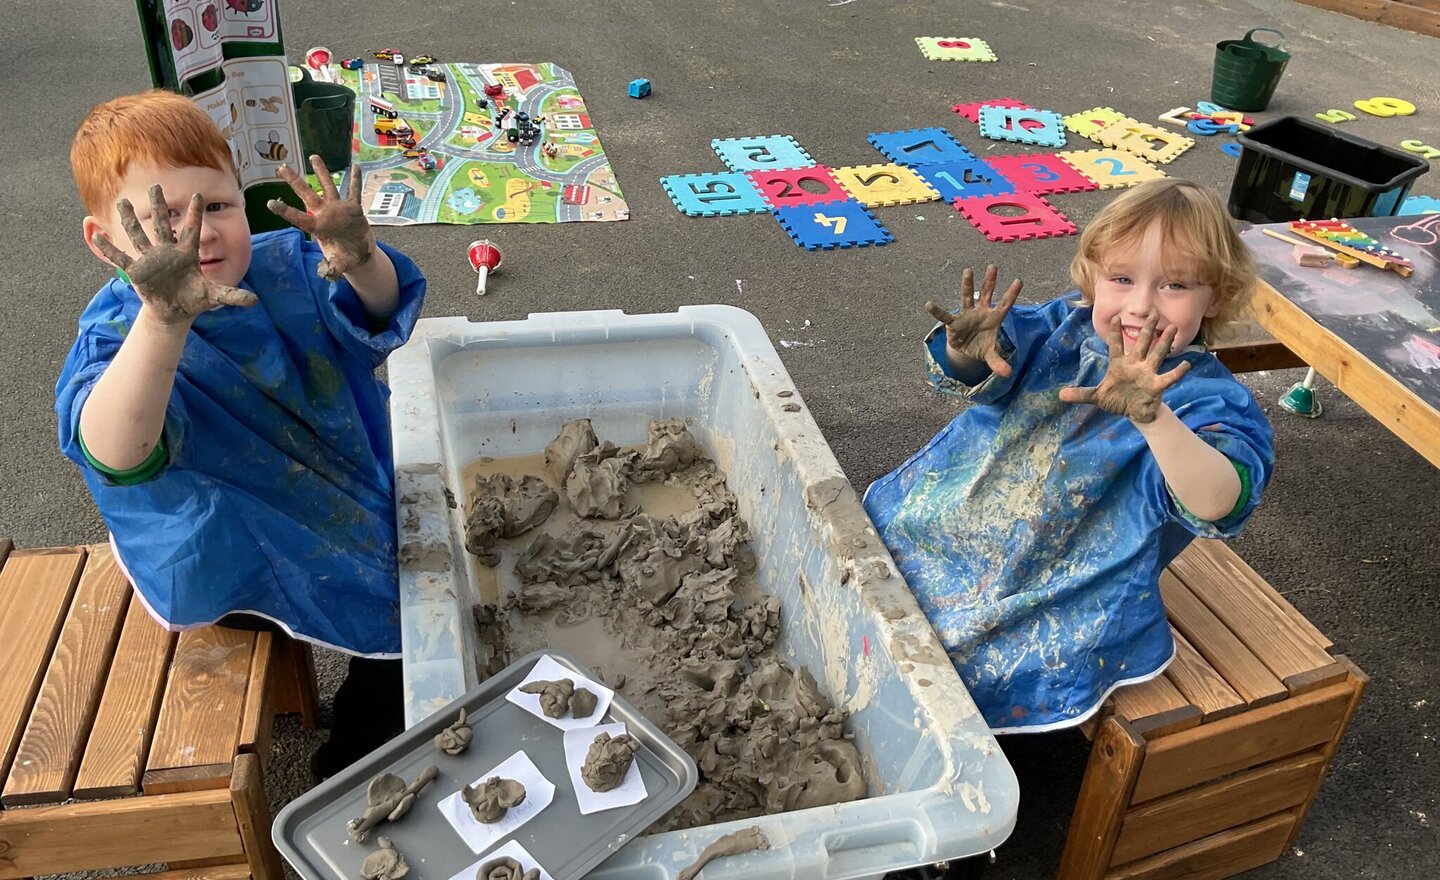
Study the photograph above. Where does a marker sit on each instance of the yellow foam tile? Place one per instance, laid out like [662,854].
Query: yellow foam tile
[884,184]
[1111,169]
[1149,142]
[1087,122]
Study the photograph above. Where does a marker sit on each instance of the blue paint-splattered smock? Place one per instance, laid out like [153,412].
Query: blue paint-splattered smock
[1033,532]
[277,498]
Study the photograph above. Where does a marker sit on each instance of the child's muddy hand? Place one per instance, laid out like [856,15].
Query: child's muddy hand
[337,224]
[166,275]
[1133,385]
[974,331]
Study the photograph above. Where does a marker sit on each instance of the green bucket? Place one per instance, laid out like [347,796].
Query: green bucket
[1247,72]
[325,115]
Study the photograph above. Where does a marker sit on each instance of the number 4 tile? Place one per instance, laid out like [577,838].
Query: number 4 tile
[833,225]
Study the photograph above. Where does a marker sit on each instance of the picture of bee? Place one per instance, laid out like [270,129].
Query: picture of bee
[245,6]
[272,149]
[270,104]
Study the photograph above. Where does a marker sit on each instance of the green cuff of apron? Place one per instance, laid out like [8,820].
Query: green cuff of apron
[152,465]
[1243,473]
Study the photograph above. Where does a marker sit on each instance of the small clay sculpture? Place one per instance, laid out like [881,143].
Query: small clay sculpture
[385,863]
[490,800]
[388,798]
[576,438]
[582,703]
[554,695]
[608,760]
[505,868]
[742,841]
[456,738]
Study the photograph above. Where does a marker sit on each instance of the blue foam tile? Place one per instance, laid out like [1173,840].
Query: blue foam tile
[833,225]
[762,152]
[714,194]
[1007,124]
[962,180]
[919,146]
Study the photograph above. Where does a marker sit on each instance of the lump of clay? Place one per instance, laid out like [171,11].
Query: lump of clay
[385,863]
[388,798]
[576,438]
[490,800]
[533,598]
[505,868]
[583,703]
[670,448]
[657,554]
[456,738]
[554,695]
[599,480]
[502,508]
[608,760]
[743,841]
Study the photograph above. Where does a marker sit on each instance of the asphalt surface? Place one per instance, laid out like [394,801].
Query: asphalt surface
[1348,528]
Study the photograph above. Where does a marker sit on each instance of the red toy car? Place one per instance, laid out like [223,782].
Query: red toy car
[353,63]
[387,54]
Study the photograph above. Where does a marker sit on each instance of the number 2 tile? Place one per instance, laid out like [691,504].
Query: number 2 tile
[1111,169]
[762,152]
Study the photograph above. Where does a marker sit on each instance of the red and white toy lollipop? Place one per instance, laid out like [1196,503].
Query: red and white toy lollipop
[484,258]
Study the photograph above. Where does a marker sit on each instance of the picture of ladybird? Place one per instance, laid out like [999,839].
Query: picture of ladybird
[181,34]
[210,17]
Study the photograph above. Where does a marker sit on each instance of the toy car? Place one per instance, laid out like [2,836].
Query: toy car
[427,162]
[387,54]
[353,63]
[639,88]
[412,153]
[406,140]
[423,59]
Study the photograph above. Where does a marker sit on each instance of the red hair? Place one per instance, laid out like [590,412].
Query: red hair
[157,128]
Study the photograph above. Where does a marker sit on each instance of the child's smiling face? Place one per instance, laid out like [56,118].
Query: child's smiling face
[1135,284]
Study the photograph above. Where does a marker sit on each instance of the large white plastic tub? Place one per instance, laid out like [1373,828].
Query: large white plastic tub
[939,786]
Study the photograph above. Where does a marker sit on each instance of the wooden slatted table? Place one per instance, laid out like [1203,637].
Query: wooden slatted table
[1209,770]
[98,701]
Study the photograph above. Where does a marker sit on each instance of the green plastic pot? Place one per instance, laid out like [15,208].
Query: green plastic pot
[1247,71]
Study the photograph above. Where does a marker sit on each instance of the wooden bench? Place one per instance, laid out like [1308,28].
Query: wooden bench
[1209,770]
[125,744]
[1243,346]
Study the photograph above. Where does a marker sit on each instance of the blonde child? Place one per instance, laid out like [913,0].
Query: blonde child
[1103,437]
[221,397]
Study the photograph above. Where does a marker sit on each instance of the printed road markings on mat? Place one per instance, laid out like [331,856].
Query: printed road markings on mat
[833,225]
[884,185]
[957,180]
[992,216]
[762,152]
[714,194]
[798,186]
[955,49]
[1111,169]
[1041,173]
[1149,142]
[1088,123]
[919,146]
[1041,128]
[972,111]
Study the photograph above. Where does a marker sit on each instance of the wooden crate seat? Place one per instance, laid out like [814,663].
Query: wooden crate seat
[1209,769]
[123,744]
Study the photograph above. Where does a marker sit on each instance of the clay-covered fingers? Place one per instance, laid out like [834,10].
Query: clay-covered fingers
[996,361]
[301,188]
[1079,393]
[118,258]
[160,216]
[194,221]
[1166,380]
[940,314]
[298,219]
[231,296]
[1162,347]
[327,183]
[131,224]
[1147,335]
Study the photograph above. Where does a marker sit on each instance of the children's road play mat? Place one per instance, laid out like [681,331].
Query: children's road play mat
[436,146]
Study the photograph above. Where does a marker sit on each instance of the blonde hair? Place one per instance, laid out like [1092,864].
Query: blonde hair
[158,128]
[1197,237]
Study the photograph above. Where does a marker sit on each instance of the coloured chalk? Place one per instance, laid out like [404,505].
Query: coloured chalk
[835,225]
[1111,169]
[955,49]
[972,111]
[919,146]
[886,184]
[1038,220]
[1041,173]
[798,186]
[765,152]
[714,194]
[958,180]
[1041,128]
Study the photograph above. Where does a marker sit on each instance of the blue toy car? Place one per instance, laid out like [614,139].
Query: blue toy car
[639,88]
[353,63]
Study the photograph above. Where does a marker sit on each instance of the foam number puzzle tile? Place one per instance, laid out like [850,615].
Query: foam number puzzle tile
[1149,142]
[1042,128]
[995,217]
[958,180]
[972,111]
[889,184]
[798,186]
[955,49]
[1111,169]
[719,194]
[1041,173]
[1088,123]
[919,146]
[833,225]
[767,152]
